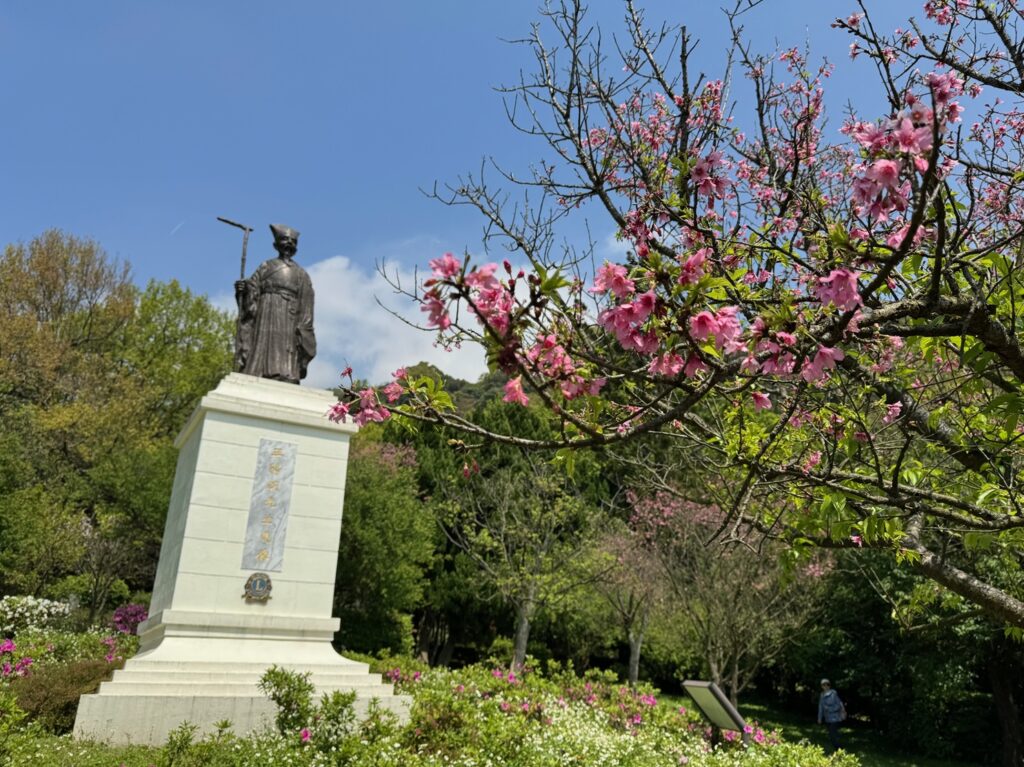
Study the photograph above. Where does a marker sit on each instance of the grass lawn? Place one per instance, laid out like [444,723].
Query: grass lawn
[858,738]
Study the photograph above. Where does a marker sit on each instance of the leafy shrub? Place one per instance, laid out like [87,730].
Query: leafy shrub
[365,630]
[49,695]
[20,614]
[78,589]
[179,745]
[49,670]
[57,647]
[292,693]
[501,650]
[400,670]
[331,727]
[474,716]
[11,716]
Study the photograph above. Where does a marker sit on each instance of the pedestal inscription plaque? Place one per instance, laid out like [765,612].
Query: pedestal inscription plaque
[268,507]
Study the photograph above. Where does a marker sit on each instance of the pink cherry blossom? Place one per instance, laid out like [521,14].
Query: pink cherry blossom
[445,267]
[870,136]
[702,325]
[812,462]
[437,313]
[370,409]
[911,139]
[667,365]
[892,412]
[885,173]
[644,305]
[393,391]
[838,288]
[577,385]
[729,329]
[825,359]
[550,357]
[613,277]
[482,277]
[338,412]
[787,339]
[761,401]
[708,184]
[514,392]
[694,365]
[944,86]
[693,267]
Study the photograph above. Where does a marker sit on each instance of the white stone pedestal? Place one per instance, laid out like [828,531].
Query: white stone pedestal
[205,646]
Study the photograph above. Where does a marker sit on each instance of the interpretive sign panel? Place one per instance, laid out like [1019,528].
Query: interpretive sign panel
[268,507]
[714,705]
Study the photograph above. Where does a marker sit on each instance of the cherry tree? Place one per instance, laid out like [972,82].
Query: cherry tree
[822,319]
[629,577]
[741,605]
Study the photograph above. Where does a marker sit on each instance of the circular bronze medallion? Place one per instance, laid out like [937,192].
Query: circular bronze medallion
[258,587]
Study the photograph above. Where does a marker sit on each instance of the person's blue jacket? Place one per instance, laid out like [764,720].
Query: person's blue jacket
[830,707]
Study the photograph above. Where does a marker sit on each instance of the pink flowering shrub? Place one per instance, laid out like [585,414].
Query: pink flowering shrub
[126,618]
[12,663]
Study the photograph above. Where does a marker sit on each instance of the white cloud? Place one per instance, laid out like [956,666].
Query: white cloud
[353,329]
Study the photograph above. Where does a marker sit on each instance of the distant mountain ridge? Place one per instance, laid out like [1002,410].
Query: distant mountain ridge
[465,394]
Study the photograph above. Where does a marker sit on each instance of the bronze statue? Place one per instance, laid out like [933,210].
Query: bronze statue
[275,315]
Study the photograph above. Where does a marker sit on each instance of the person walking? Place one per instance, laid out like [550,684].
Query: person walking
[831,712]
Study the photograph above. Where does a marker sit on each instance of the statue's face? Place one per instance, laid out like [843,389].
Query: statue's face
[286,247]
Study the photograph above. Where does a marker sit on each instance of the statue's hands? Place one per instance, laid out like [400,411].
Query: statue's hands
[239,287]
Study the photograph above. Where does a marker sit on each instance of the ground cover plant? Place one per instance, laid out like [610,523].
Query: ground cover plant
[479,715]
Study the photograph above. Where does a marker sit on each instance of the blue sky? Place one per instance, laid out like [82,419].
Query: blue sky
[137,123]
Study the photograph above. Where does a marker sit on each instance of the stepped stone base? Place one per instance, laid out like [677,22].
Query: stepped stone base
[204,647]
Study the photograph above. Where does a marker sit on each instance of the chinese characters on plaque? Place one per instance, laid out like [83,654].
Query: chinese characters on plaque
[268,508]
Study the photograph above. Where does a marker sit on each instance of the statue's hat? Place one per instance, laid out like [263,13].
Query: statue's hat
[280,231]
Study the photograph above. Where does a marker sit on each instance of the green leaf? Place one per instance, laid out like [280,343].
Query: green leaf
[978,541]
[565,459]
[553,283]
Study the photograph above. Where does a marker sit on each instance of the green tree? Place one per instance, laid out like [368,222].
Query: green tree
[96,378]
[924,666]
[387,543]
[525,529]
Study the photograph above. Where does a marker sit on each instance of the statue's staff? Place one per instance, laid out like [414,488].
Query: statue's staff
[245,238]
[241,339]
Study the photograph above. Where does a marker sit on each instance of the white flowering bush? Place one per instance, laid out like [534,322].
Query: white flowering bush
[55,647]
[19,614]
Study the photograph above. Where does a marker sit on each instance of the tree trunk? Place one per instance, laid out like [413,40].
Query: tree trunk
[636,641]
[713,669]
[1005,674]
[432,634]
[734,683]
[524,614]
[444,657]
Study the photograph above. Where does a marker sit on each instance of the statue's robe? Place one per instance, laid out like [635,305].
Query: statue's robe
[275,322]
